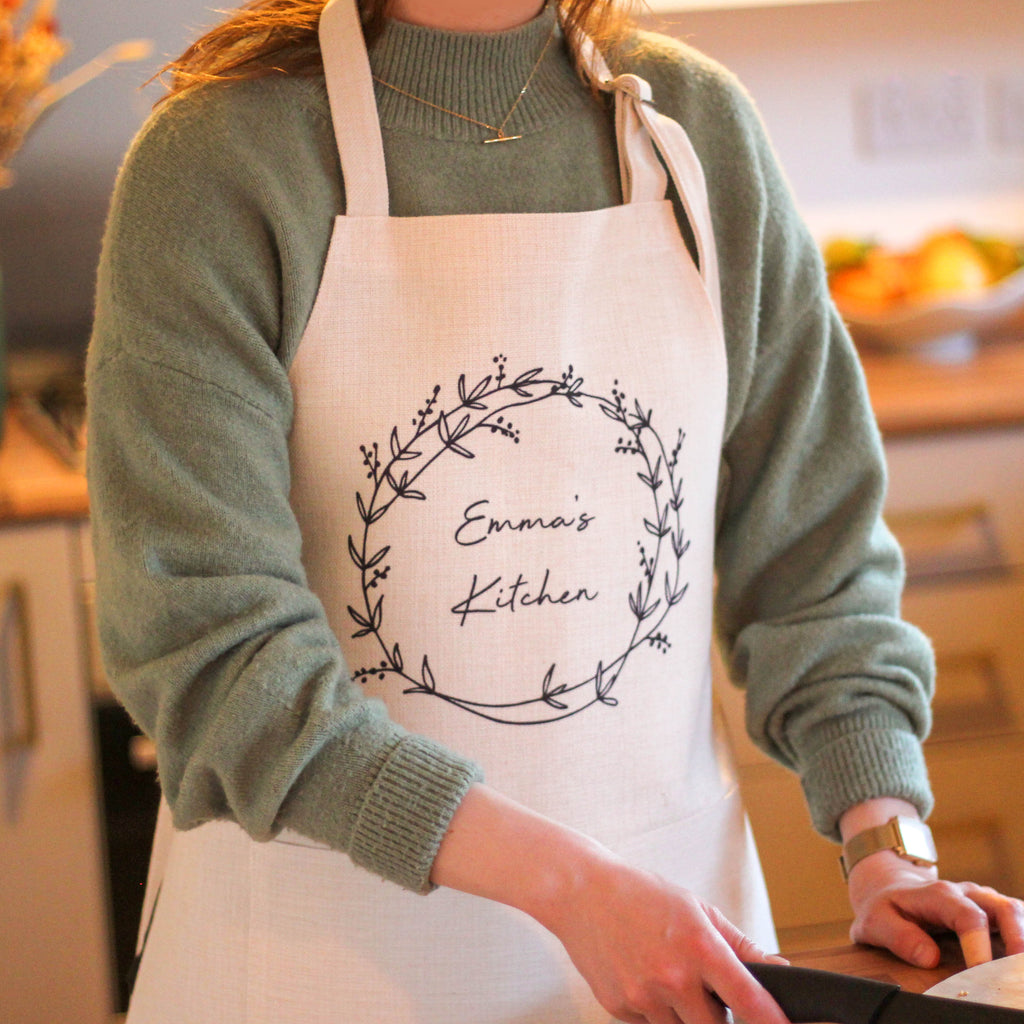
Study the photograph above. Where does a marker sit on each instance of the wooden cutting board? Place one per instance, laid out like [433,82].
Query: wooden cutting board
[998,983]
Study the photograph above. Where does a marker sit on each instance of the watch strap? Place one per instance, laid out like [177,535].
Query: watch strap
[909,838]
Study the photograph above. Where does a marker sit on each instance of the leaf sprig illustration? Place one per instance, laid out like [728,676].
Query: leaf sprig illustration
[439,432]
[666,522]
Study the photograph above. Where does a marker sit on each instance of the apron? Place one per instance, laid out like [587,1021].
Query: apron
[504,463]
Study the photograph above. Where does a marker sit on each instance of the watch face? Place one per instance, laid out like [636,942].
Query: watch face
[916,838]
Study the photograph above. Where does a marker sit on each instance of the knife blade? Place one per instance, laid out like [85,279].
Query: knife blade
[809,996]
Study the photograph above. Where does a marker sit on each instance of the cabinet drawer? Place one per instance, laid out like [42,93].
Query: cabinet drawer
[956,502]
[974,624]
[56,963]
[979,816]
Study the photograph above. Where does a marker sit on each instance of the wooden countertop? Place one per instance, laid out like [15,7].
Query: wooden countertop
[880,965]
[34,482]
[911,395]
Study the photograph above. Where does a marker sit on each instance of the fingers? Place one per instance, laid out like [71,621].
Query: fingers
[654,953]
[706,1009]
[738,988]
[900,919]
[976,946]
[749,951]
[752,1003]
[1005,915]
[701,994]
[698,987]
[906,939]
[677,996]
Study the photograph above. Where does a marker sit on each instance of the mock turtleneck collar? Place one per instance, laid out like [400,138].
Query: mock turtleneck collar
[478,74]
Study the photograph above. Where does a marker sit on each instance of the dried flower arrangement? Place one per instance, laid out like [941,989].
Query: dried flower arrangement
[30,47]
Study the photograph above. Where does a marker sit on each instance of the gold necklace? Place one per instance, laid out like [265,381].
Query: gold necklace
[498,129]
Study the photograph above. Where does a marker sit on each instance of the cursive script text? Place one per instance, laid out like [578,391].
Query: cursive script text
[488,598]
[477,526]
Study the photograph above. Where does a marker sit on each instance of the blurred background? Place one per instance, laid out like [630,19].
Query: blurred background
[831,79]
[893,118]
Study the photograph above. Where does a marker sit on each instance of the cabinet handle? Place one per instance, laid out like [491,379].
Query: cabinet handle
[945,541]
[98,683]
[15,612]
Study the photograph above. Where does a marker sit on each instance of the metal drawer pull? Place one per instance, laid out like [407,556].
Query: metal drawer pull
[21,731]
[938,542]
[142,754]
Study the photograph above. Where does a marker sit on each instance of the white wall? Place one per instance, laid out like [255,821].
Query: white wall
[810,68]
[806,66]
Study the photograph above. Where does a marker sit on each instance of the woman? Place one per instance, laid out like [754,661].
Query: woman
[471,423]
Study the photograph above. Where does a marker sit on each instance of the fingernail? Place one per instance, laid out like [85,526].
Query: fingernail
[923,955]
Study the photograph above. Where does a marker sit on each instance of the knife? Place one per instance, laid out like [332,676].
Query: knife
[806,996]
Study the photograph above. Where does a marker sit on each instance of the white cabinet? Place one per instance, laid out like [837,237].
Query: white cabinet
[956,502]
[55,967]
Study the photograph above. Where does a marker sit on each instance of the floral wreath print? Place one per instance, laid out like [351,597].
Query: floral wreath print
[445,432]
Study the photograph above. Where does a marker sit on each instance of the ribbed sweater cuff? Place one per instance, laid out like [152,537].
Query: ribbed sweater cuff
[407,810]
[854,765]
[386,803]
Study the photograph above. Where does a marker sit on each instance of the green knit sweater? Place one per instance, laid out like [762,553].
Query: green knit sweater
[216,240]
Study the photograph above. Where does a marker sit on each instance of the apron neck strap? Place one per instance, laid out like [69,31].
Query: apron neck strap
[641,174]
[353,109]
[641,132]
[648,143]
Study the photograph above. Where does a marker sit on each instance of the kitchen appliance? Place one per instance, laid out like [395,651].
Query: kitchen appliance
[131,798]
[807,995]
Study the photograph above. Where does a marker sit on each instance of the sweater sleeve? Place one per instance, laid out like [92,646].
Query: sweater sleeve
[838,686]
[211,637]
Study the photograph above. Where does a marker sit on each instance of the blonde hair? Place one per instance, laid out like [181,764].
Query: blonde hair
[268,37]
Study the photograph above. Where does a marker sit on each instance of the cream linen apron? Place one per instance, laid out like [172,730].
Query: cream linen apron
[505,455]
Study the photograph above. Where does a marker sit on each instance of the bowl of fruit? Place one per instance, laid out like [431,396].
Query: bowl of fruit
[934,299]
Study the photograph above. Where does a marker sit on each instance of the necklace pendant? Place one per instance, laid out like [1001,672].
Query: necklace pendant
[500,137]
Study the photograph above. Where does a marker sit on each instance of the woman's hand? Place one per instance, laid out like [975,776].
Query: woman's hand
[898,905]
[651,952]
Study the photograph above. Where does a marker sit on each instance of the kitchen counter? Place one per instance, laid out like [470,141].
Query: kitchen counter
[34,482]
[912,395]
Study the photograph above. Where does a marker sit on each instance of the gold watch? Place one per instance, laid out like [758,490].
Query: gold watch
[909,838]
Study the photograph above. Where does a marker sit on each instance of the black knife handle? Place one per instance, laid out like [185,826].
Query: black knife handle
[806,995]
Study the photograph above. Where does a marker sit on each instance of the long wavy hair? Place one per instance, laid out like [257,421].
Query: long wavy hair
[269,37]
